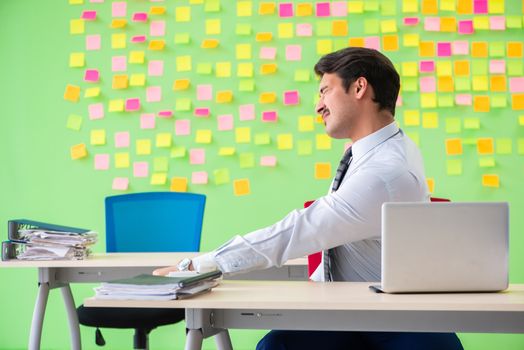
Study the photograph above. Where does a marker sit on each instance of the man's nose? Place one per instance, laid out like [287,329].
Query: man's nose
[319,108]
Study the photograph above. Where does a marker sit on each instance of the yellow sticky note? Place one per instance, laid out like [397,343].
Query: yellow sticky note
[116,105]
[490,180]
[411,118]
[243,51]
[137,57]
[209,43]
[121,160]
[388,26]
[431,184]
[453,147]
[428,100]
[521,120]
[245,70]
[411,39]
[223,69]
[183,63]
[266,8]
[72,93]
[157,45]
[120,82]
[178,184]
[226,151]
[143,147]
[77,26]
[268,68]
[285,141]
[454,167]
[409,69]
[158,179]
[98,137]
[92,92]
[444,68]
[181,84]
[306,123]
[76,59]
[486,162]
[480,83]
[481,23]
[157,10]
[213,26]
[244,8]
[243,135]
[481,103]
[224,96]
[426,49]
[118,41]
[163,139]
[304,9]
[429,120]
[323,142]
[285,30]
[409,6]
[203,136]
[447,5]
[137,79]
[324,46]
[241,187]
[267,97]
[78,151]
[118,23]
[390,42]
[356,6]
[322,171]
[183,14]
[264,36]
[485,145]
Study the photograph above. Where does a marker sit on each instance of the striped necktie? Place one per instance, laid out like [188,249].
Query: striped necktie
[341,171]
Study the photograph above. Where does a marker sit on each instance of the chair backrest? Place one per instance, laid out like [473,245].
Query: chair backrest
[154,222]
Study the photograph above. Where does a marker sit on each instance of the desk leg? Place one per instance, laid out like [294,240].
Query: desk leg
[38,316]
[194,338]
[223,341]
[72,316]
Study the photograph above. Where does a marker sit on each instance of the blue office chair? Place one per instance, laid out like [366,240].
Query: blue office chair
[146,222]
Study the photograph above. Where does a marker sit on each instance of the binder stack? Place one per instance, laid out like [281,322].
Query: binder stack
[34,240]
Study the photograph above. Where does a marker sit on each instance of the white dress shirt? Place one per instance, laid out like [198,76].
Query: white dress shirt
[386,167]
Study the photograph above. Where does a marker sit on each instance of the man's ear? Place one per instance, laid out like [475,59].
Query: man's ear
[360,86]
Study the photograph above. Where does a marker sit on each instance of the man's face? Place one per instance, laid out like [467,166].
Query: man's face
[336,106]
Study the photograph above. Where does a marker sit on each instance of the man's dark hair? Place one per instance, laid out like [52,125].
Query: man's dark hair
[354,62]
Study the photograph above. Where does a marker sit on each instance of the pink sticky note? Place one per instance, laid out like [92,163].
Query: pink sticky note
[182,127]
[118,64]
[96,111]
[197,156]
[516,84]
[246,112]
[322,9]
[443,49]
[140,17]
[427,84]
[291,97]
[463,99]
[293,52]
[432,24]
[268,53]
[411,21]
[460,47]
[154,94]
[497,66]
[122,139]
[91,75]
[157,28]
[201,112]
[285,9]
[140,169]
[147,121]
[372,42]
[398,103]
[497,23]
[480,6]
[132,104]
[304,29]
[268,161]
[466,27]
[93,42]
[165,114]
[89,15]
[138,39]
[204,92]
[101,161]
[427,66]
[339,9]
[119,9]
[269,116]
[225,122]
[155,68]
[199,177]
[120,183]
[96,1]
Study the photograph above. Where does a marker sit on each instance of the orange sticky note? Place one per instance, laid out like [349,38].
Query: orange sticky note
[266,8]
[465,7]
[181,84]
[426,49]
[267,97]
[339,28]
[119,82]
[481,103]
[490,180]
[515,48]
[241,187]
[485,145]
[498,83]
[322,171]
[209,43]
[431,184]
[429,7]
[479,49]
[445,84]
[448,24]
[461,68]
[264,36]
[157,45]
[118,23]
[517,102]
[224,96]
[72,93]
[78,151]
[304,9]
[178,184]
[157,10]
[390,42]
[453,147]
[268,68]
[356,42]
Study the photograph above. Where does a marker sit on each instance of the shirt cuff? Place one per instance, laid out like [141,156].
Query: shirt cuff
[204,263]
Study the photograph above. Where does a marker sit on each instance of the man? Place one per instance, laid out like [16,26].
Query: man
[358,92]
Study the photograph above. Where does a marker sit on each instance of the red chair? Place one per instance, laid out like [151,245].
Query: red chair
[313,260]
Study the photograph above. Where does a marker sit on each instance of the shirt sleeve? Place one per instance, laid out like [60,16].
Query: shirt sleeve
[350,214]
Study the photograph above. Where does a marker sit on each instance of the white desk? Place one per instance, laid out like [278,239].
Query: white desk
[104,267]
[336,306]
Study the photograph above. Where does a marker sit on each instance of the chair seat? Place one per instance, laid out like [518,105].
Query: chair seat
[144,318]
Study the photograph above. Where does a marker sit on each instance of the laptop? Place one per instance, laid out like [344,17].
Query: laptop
[444,247]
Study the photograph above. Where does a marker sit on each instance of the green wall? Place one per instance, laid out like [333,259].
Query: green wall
[40,181]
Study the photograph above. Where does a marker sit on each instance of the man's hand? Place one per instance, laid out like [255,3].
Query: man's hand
[164,271]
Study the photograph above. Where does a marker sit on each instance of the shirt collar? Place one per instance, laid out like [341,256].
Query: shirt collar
[366,144]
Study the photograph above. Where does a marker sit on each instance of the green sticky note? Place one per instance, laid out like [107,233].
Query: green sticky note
[247,160]
[454,167]
[486,162]
[470,141]
[302,75]
[415,136]
[388,8]
[212,6]
[371,5]
[479,66]
[371,26]
[409,84]
[246,85]
[221,176]
[182,38]
[178,152]
[339,44]
[204,68]
[503,146]
[445,100]
[304,147]
[323,28]
[462,84]
[514,66]
[262,138]
[243,29]
[183,104]
[513,22]
[160,164]
[520,146]
[74,122]
[498,101]
[453,125]
[472,123]
[497,49]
